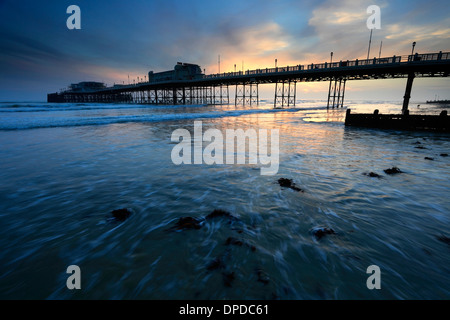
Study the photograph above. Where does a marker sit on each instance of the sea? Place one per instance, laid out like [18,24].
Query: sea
[345,229]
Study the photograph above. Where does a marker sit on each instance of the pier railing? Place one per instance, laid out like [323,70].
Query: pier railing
[330,65]
[340,64]
[404,59]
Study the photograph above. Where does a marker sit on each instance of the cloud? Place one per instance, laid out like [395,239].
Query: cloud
[118,39]
[405,32]
[341,27]
[263,39]
[258,45]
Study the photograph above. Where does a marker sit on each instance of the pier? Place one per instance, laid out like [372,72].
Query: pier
[214,88]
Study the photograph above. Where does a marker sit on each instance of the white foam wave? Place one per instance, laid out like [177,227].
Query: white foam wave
[83,107]
[51,122]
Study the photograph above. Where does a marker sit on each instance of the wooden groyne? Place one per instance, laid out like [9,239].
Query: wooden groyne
[439,123]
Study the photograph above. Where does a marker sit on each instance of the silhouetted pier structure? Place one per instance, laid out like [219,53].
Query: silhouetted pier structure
[439,101]
[198,88]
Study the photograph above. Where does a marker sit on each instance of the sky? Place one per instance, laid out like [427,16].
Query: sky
[117,39]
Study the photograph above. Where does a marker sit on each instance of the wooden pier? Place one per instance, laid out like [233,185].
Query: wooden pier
[214,88]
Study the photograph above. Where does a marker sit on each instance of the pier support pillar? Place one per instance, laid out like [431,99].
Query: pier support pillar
[407,95]
[252,94]
[239,94]
[175,96]
[285,93]
[153,96]
[225,94]
[336,91]
[221,94]
[247,93]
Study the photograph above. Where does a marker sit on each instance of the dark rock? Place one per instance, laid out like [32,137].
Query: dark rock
[234,241]
[262,276]
[297,189]
[444,239]
[372,175]
[215,264]
[319,233]
[121,214]
[240,243]
[284,182]
[220,213]
[420,147]
[444,155]
[393,170]
[417,142]
[228,278]
[288,183]
[428,158]
[187,223]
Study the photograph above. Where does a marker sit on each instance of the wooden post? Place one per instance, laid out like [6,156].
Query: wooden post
[329,93]
[407,95]
[343,92]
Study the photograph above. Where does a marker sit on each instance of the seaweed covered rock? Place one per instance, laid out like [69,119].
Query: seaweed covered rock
[240,243]
[215,264]
[393,170]
[220,213]
[228,278]
[288,183]
[320,232]
[187,223]
[234,241]
[372,174]
[444,239]
[121,214]
[263,277]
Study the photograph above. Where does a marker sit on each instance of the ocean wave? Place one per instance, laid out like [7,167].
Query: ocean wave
[48,122]
[83,107]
